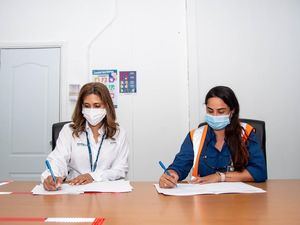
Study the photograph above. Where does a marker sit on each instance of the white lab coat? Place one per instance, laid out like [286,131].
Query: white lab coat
[70,157]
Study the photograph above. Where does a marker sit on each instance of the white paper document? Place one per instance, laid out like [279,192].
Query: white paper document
[5,193]
[106,186]
[213,188]
[70,220]
[4,182]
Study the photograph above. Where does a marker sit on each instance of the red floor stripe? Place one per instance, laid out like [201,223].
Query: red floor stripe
[25,219]
[98,221]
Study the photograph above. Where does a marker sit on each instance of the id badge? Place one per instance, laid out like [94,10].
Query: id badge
[230,168]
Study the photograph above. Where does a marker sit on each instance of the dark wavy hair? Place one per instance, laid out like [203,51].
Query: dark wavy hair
[109,121]
[234,131]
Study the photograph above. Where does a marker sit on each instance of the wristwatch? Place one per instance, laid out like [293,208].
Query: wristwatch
[222,176]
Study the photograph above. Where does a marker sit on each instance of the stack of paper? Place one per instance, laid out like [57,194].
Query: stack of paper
[4,182]
[213,188]
[71,220]
[107,186]
[94,221]
[5,193]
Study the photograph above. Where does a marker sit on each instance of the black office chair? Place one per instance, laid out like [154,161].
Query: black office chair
[56,128]
[260,131]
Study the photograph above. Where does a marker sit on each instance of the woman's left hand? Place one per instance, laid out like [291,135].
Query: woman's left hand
[212,178]
[81,179]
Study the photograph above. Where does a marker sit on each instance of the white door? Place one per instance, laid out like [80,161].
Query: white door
[29,101]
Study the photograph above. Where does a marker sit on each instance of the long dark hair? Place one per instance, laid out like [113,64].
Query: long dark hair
[109,121]
[233,132]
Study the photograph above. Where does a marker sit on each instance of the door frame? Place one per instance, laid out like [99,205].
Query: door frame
[63,92]
[192,63]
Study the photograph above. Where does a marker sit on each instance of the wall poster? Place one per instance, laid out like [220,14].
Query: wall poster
[110,79]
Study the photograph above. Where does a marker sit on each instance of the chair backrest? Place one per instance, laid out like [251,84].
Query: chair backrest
[260,131]
[56,128]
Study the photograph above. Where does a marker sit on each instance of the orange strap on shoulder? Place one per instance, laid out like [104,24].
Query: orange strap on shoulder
[195,170]
[192,134]
[248,130]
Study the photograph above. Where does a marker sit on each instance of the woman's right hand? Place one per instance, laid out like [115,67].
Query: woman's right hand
[166,181]
[49,184]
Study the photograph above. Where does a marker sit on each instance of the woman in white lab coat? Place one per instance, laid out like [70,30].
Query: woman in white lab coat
[93,147]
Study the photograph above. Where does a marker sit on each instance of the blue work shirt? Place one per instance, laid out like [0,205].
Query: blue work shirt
[213,160]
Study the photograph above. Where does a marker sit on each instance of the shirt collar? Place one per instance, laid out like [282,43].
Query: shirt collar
[101,130]
[210,136]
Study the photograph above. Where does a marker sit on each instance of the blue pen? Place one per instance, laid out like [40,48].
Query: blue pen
[51,171]
[164,168]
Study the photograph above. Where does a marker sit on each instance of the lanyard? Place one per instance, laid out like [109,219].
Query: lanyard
[93,167]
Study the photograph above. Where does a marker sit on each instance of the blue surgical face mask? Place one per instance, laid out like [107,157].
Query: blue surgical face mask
[217,122]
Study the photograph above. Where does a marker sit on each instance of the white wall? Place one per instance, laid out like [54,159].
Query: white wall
[146,36]
[149,36]
[253,47]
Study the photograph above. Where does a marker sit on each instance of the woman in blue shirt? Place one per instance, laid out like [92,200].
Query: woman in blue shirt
[223,150]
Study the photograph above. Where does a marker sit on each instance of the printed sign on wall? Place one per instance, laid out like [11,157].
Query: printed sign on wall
[110,79]
[127,81]
[74,90]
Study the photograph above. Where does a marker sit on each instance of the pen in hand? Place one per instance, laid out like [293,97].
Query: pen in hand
[164,168]
[166,171]
[50,170]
